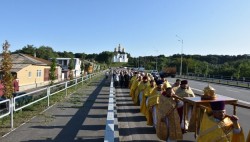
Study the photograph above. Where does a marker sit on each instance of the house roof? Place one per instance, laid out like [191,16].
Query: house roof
[19,61]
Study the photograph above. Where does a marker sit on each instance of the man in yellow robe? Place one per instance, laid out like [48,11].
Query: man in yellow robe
[153,101]
[220,127]
[141,88]
[134,86]
[176,85]
[184,91]
[166,84]
[168,123]
[132,79]
[148,90]
[148,93]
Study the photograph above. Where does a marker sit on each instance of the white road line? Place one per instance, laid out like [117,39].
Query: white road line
[197,89]
[232,90]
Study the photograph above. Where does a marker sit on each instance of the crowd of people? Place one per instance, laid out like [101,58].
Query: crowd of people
[161,103]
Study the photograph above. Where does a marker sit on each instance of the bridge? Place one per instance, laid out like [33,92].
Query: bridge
[99,112]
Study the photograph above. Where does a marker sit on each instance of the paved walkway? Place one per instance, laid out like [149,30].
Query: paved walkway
[81,117]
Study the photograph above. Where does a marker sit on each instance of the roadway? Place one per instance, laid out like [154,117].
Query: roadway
[242,94]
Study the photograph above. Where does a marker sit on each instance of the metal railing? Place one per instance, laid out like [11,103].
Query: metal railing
[219,80]
[20,102]
[6,111]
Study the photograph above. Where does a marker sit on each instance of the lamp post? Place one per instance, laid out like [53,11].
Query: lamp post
[181,40]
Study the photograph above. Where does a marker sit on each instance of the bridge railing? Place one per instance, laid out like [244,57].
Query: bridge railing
[218,79]
[9,106]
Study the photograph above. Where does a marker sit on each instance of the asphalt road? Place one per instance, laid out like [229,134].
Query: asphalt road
[242,94]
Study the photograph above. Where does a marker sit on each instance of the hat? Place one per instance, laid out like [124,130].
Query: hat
[219,105]
[145,78]
[184,82]
[159,82]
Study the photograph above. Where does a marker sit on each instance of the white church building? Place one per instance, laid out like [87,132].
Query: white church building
[120,55]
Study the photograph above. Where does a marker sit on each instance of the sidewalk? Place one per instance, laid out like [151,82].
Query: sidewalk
[81,117]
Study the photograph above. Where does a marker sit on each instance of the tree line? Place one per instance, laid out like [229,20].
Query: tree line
[46,52]
[220,65]
[225,65]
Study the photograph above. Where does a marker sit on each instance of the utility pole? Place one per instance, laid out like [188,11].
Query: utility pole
[181,40]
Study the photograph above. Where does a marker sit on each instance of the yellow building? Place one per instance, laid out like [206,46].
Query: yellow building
[32,72]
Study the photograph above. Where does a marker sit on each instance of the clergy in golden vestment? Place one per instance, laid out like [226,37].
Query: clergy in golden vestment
[153,101]
[168,120]
[134,86]
[144,109]
[141,89]
[176,85]
[184,91]
[132,79]
[166,84]
[137,89]
[220,127]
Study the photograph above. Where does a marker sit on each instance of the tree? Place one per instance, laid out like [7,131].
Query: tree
[70,67]
[80,55]
[82,68]
[6,67]
[46,52]
[52,74]
[65,54]
[28,49]
[105,57]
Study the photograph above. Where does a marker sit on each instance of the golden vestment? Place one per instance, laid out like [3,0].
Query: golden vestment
[152,100]
[213,131]
[131,81]
[133,88]
[185,93]
[141,88]
[148,90]
[170,129]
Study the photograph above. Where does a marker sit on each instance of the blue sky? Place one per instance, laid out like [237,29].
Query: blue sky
[142,27]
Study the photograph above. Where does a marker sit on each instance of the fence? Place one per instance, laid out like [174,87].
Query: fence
[218,79]
[9,106]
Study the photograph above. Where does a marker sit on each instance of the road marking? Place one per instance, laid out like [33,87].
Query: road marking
[232,91]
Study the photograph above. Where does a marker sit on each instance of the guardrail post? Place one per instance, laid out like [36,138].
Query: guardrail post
[66,88]
[48,94]
[11,107]
[75,84]
[82,80]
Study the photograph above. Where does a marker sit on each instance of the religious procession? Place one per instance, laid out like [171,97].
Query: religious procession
[164,108]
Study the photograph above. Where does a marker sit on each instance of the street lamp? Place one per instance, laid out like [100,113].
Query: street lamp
[181,40]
